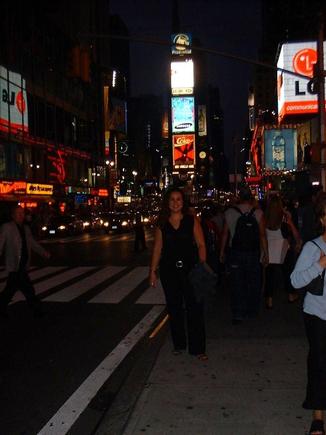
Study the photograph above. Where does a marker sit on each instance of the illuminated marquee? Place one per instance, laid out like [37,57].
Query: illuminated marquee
[181,43]
[12,187]
[13,102]
[183,114]
[183,151]
[39,189]
[182,77]
[297,95]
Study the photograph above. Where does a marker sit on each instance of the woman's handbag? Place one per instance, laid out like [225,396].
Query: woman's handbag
[203,280]
[316,286]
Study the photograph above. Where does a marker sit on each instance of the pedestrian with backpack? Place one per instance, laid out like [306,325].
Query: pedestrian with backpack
[244,233]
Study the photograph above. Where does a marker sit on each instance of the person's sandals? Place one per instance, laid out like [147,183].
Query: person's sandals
[202,357]
[317,428]
[178,351]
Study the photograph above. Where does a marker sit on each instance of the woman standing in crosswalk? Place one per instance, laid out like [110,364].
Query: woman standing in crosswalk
[179,244]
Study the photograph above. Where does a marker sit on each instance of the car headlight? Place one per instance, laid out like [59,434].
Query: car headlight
[44,228]
[124,223]
[101,221]
[62,227]
[146,219]
[106,224]
[86,224]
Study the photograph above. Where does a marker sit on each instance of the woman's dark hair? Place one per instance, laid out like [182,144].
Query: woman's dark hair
[274,213]
[165,209]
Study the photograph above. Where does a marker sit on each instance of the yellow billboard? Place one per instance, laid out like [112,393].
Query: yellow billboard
[39,189]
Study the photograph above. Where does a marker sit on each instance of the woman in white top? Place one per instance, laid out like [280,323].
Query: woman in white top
[279,225]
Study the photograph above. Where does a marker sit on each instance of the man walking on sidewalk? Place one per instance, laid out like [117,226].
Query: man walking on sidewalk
[245,229]
[17,242]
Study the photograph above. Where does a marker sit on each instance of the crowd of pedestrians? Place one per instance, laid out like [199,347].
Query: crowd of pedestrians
[260,249]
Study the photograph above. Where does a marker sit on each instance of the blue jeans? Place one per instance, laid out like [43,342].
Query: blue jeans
[245,274]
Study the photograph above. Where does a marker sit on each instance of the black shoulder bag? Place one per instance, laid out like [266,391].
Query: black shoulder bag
[316,286]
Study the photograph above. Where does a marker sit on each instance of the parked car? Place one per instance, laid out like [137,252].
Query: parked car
[117,222]
[65,225]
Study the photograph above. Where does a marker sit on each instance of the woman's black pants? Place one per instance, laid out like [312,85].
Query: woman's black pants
[180,297]
[316,363]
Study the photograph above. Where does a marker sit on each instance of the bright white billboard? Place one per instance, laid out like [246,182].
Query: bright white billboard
[182,77]
[297,95]
[13,103]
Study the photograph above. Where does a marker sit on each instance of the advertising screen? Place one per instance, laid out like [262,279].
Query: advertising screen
[183,151]
[202,121]
[182,77]
[13,103]
[183,114]
[181,43]
[280,149]
[297,95]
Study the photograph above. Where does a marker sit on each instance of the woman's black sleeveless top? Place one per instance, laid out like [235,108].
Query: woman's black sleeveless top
[179,245]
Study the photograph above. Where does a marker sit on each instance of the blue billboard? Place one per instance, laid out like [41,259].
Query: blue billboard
[183,114]
[280,149]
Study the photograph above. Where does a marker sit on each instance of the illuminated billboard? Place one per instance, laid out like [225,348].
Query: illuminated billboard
[183,114]
[13,103]
[202,121]
[181,43]
[297,95]
[280,149]
[182,77]
[183,151]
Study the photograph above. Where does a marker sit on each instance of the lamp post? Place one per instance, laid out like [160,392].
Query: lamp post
[134,173]
[110,165]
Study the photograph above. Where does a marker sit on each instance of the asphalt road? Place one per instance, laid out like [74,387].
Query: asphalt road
[60,373]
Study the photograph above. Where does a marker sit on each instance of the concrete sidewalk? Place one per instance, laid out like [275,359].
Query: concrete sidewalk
[252,384]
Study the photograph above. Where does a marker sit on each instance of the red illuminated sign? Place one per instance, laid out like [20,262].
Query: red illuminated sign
[12,187]
[304,61]
[183,151]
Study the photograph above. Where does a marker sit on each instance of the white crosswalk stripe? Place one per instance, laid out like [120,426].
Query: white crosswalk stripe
[37,274]
[117,291]
[153,296]
[54,276]
[77,289]
[56,280]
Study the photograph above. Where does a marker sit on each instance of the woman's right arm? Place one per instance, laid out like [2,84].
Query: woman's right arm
[309,265]
[156,255]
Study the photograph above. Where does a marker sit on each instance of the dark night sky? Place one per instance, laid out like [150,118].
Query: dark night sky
[231,26]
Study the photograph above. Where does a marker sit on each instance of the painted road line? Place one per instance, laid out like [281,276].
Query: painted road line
[117,291]
[37,274]
[56,280]
[70,411]
[77,289]
[153,296]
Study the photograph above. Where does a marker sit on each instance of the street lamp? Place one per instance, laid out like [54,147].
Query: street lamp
[134,173]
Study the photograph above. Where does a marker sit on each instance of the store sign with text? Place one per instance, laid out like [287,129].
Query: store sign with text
[183,114]
[39,189]
[181,43]
[183,151]
[13,102]
[297,95]
[12,187]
